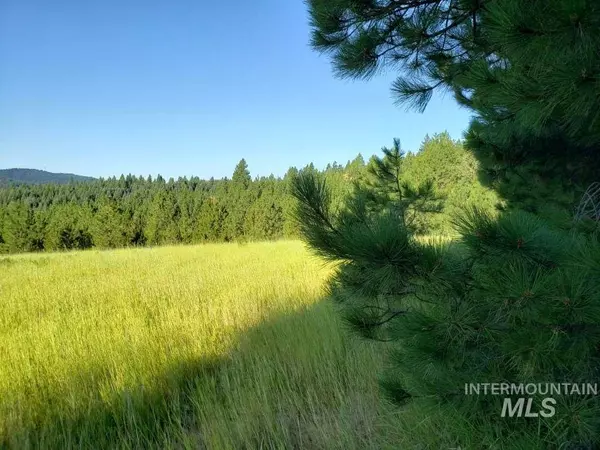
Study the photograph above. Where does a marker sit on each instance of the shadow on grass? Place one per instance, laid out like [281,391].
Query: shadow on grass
[288,382]
[135,418]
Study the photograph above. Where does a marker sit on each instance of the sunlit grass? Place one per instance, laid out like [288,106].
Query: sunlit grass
[216,346]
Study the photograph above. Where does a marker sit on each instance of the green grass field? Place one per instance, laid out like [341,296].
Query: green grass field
[216,346]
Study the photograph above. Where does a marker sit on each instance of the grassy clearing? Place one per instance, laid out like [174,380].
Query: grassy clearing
[216,346]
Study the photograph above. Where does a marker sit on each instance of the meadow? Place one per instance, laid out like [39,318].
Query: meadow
[213,346]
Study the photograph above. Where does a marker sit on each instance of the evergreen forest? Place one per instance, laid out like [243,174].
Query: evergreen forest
[137,211]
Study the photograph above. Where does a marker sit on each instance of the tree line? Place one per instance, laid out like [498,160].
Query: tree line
[138,211]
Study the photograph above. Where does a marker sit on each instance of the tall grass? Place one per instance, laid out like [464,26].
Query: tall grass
[216,346]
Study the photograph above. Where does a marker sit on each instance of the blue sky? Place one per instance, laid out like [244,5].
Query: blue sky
[186,87]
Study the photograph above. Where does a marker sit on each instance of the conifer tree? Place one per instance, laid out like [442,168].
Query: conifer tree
[107,227]
[517,298]
[68,228]
[238,201]
[21,231]
[241,176]
[163,215]
[453,171]
[527,69]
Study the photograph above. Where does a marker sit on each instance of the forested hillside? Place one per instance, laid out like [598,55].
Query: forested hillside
[135,211]
[34,176]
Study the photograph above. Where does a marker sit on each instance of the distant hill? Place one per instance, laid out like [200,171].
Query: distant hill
[34,176]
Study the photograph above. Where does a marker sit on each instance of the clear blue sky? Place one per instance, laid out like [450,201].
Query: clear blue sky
[186,87]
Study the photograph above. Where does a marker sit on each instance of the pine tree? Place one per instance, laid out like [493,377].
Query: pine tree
[22,228]
[527,69]
[238,201]
[68,228]
[163,216]
[453,171]
[108,227]
[517,298]
[241,175]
